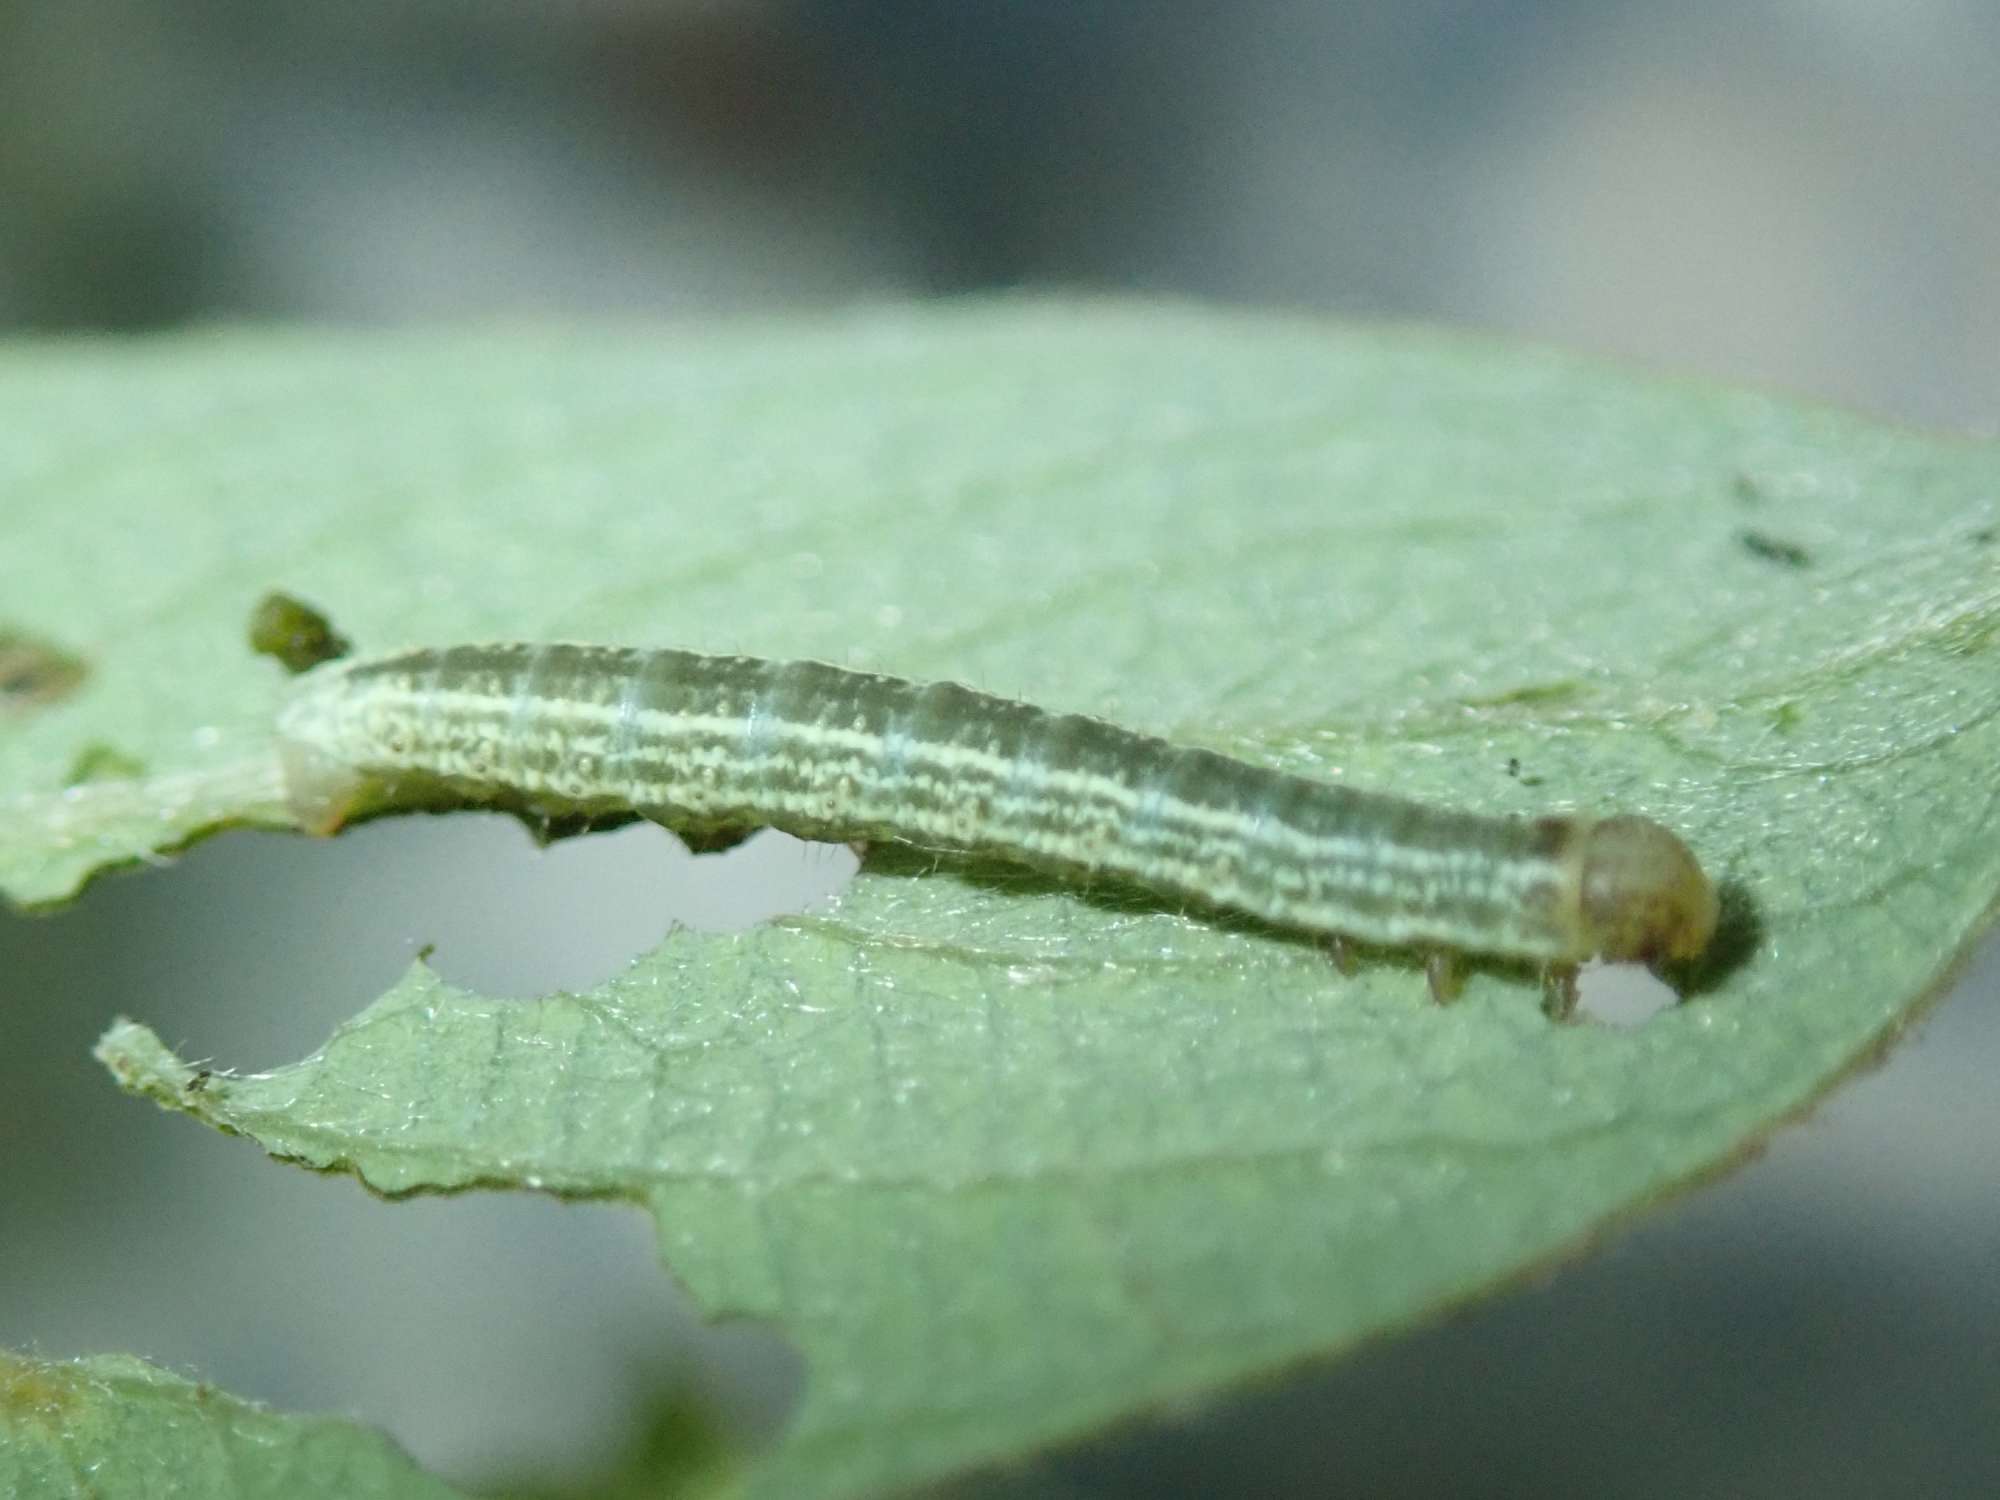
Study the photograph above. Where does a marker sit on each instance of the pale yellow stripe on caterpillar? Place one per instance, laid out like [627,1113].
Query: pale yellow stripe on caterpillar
[713,743]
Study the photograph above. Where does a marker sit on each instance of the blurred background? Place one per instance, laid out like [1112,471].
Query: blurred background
[1802,192]
[1805,195]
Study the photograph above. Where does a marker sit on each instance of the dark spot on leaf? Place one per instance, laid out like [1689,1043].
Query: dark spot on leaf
[1984,536]
[1774,549]
[1531,693]
[1786,717]
[294,632]
[30,1392]
[101,762]
[34,673]
[1745,490]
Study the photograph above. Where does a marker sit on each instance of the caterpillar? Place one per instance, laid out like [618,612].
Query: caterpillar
[712,744]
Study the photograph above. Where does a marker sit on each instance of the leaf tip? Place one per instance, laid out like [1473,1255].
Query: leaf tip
[145,1065]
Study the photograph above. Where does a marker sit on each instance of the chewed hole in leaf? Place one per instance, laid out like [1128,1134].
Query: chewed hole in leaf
[319,927]
[491,910]
[1621,995]
[578,1343]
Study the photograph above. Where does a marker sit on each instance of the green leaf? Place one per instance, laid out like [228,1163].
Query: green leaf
[113,1426]
[1010,1160]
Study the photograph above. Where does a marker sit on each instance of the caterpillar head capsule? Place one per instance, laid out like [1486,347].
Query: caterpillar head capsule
[1641,895]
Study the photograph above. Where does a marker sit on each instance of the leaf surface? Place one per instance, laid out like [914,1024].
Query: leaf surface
[1009,1159]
